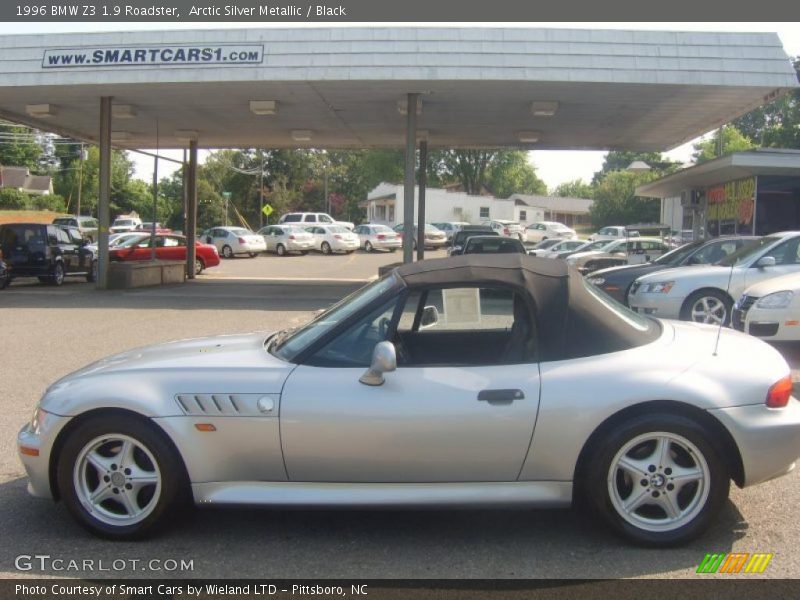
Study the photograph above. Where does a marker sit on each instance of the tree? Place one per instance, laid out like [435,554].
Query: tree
[620,160]
[577,188]
[776,125]
[474,169]
[18,147]
[732,141]
[616,203]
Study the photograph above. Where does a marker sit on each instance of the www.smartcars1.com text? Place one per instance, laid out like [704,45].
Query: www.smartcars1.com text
[35,10]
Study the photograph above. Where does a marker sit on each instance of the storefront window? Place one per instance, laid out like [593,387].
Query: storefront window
[778,205]
[731,207]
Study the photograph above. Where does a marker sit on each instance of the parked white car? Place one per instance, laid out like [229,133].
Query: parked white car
[231,241]
[634,251]
[377,237]
[537,232]
[770,309]
[507,228]
[558,246]
[705,293]
[283,239]
[614,232]
[434,238]
[311,218]
[333,238]
[450,228]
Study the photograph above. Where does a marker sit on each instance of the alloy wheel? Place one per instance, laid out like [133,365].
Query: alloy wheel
[658,481]
[709,309]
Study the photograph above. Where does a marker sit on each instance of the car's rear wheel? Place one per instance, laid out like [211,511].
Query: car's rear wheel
[120,477]
[367,247]
[199,265]
[252,254]
[280,250]
[91,276]
[657,479]
[326,248]
[227,252]
[707,306]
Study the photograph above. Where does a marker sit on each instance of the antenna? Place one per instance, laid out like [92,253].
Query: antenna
[721,323]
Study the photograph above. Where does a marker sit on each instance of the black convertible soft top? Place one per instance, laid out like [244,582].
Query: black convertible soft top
[571,321]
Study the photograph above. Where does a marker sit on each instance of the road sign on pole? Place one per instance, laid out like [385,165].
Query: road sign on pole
[267,210]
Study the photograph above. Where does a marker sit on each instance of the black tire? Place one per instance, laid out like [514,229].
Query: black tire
[393,250]
[368,247]
[199,265]
[174,487]
[91,276]
[326,248]
[57,278]
[710,296]
[700,508]
[227,251]
[304,252]
[252,254]
[280,250]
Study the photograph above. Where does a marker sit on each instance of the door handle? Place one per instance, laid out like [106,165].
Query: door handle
[500,396]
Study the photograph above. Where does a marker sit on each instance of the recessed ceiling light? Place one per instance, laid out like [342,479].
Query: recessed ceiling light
[263,107]
[528,137]
[402,106]
[39,110]
[544,109]
[301,135]
[123,111]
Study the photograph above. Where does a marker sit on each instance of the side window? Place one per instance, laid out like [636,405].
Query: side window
[786,253]
[52,237]
[310,218]
[325,219]
[170,242]
[62,236]
[484,212]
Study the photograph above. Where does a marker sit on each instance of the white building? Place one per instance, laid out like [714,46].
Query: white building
[384,205]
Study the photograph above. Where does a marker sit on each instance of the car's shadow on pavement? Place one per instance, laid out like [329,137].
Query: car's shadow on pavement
[264,543]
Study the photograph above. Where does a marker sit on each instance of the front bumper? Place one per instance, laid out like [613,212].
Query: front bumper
[663,306]
[34,449]
[772,325]
[768,438]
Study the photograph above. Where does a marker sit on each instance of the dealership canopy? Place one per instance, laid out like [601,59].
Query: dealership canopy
[346,87]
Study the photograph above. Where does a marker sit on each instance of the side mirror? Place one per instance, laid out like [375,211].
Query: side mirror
[766,261]
[384,360]
[430,317]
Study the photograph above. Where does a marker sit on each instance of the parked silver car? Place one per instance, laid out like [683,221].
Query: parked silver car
[283,239]
[377,237]
[473,380]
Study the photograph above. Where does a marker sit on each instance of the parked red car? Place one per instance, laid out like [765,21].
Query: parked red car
[169,246]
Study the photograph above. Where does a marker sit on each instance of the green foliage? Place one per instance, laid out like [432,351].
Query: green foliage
[732,141]
[17,149]
[11,199]
[776,125]
[620,160]
[577,188]
[504,172]
[615,202]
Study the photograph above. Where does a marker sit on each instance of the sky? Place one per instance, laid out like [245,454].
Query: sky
[553,166]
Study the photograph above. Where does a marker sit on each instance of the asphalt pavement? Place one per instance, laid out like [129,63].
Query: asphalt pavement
[48,332]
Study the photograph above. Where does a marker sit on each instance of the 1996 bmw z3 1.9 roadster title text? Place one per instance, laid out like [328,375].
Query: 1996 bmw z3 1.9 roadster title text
[473,380]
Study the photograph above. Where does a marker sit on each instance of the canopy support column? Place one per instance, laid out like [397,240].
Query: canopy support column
[423,182]
[191,210]
[104,200]
[408,183]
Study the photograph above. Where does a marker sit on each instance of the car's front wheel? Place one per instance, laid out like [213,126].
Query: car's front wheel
[657,479]
[367,247]
[326,248]
[707,306]
[120,477]
[58,274]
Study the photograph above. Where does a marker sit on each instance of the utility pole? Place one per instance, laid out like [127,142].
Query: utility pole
[261,190]
[80,180]
[327,200]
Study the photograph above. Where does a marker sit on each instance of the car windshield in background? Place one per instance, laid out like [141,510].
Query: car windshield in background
[547,243]
[678,255]
[745,252]
[597,245]
[382,229]
[338,229]
[288,344]
[131,241]
[432,229]
[123,222]
[240,231]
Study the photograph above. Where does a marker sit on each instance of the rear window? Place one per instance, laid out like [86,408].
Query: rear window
[32,237]
[291,218]
[64,221]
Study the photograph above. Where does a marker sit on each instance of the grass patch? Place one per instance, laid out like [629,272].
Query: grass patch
[28,216]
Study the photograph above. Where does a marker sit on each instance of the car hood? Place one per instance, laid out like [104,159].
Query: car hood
[711,275]
[776,284]
[629,270]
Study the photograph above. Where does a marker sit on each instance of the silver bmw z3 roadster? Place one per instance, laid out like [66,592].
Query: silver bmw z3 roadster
[477,380]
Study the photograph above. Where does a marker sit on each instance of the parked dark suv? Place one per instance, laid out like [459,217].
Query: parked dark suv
[48,252]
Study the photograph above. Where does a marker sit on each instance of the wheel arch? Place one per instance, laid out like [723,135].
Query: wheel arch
[702,290]
[74,423]
[721,438]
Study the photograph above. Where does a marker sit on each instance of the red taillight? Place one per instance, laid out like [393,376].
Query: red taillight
[780,392]
[337,237]
[505,231]
[242,241]
[381,236]
[291,237]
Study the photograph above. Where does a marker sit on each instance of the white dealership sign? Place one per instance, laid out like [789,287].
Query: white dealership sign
[121,56]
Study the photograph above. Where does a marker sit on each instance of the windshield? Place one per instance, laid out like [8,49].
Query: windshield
[123,222]
[382,229]
[294,229]
[746,252]
[240,231]
[547,243]
[678,255]
[288,344]
[338,229]
[432,229]
[597,245]
[131,241]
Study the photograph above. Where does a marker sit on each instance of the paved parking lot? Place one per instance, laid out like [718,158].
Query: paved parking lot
[48,332]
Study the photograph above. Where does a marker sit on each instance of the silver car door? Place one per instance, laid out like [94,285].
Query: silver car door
[427,422]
